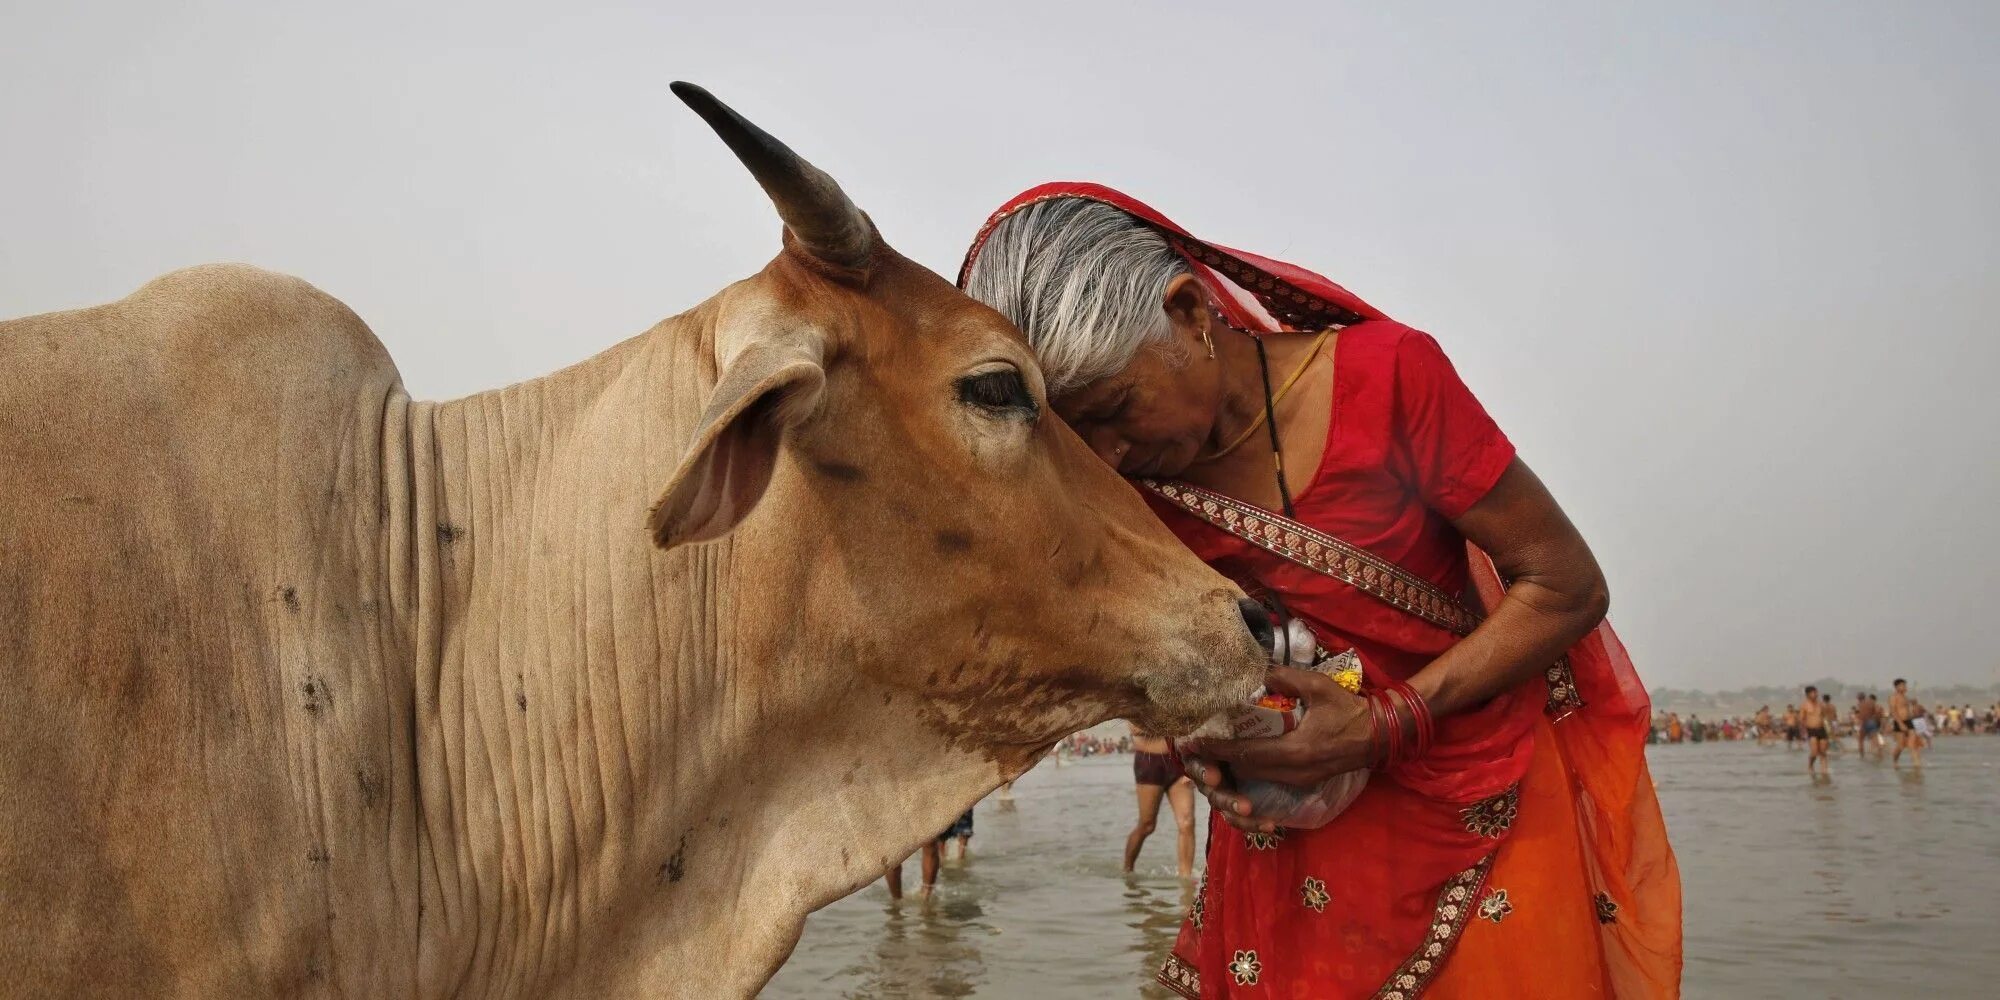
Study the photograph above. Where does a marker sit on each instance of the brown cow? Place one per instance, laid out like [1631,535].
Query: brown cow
[309,689]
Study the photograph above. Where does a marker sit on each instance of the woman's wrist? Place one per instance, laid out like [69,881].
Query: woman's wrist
[1429,684]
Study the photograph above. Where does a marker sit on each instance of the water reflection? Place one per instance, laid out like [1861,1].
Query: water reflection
[1154,913]
[929,946]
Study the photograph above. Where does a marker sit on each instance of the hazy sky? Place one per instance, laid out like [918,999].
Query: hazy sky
[1727,272]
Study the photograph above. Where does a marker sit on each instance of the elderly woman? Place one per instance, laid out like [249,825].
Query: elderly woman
[1330,460]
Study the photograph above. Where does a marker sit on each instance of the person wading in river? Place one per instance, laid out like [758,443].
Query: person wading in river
[1158,776]
[1816,718]
[1902,717]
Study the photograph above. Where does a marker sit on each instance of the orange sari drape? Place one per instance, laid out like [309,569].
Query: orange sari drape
[1588,865]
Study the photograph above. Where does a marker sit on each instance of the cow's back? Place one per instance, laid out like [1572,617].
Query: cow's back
[203,754]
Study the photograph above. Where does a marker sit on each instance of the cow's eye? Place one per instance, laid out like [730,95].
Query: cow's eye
[1000,389]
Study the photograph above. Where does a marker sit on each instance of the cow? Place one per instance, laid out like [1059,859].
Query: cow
[591,686]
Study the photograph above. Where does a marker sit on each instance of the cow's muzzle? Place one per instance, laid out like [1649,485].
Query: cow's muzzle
[1258,620]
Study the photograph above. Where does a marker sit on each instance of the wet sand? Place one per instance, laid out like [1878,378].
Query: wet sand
[1874,884]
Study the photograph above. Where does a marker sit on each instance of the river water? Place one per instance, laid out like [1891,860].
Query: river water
[1875,884]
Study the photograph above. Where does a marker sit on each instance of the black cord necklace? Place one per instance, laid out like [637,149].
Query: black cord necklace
[1271,421]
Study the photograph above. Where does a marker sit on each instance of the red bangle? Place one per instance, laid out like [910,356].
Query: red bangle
[1416,747]
[1424,723]
[1393,724]
[1404,738]
[1387,716]
[1376,751]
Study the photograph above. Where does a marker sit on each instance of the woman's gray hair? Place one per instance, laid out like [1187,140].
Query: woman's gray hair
[1085,281]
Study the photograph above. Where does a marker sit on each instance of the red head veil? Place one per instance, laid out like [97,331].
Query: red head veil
[1255,293]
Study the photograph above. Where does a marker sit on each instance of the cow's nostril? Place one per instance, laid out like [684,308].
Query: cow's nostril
[1258,620]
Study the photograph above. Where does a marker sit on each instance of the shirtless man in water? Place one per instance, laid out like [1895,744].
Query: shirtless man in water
[1900,712]
[1154,772]
[1867,721]
[1815,716]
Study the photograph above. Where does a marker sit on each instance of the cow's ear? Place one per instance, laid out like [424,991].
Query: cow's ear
[770,384]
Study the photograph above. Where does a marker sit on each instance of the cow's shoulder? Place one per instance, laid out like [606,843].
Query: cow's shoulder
[227,283]
[231,312]
[220,374]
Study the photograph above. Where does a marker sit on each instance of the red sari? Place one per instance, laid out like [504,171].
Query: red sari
[1525,854]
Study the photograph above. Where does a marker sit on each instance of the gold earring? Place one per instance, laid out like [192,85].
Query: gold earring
[1210,343]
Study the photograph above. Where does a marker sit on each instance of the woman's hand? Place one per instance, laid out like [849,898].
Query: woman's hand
[1333,739]
[1212,779]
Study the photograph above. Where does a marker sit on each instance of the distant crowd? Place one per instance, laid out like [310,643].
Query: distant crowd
[1669,727]
[1086,745]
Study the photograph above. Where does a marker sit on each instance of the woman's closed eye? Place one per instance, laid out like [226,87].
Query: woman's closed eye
[1105,414]
[1116,411]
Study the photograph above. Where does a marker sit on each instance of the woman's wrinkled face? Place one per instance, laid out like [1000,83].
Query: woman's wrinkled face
[1153,417]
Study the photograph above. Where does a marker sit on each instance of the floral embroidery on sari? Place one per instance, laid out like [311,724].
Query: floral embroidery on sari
[1495,906]
[1607,909]
[1196,908]
[1494,815]
[1245,968]
[1313,893]
[1265,841]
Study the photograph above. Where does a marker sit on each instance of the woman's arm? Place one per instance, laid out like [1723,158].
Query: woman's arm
[1556,596]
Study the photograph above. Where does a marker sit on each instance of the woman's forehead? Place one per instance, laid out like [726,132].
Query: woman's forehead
[1092,395]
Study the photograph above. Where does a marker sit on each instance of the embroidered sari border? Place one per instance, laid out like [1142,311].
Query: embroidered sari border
[1564,699]
[1285,301]
[1455,903]
[1180,977]
[1318,551]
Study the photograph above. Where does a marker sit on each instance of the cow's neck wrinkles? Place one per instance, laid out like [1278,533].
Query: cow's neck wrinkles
[635,766]
[538,652]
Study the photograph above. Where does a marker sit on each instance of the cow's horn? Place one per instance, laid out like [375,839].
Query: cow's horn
[821,218]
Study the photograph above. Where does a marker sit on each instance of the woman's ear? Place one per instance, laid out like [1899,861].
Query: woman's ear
[1186,305]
